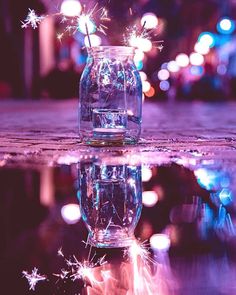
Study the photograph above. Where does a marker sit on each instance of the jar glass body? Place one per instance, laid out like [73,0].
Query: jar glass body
[110,102]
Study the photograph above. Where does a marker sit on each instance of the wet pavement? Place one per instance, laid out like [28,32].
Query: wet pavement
[184,171]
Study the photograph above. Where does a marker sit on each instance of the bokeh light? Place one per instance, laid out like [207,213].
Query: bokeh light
[150,20]
[138,64]
[160,242]
[71,8]
[146,86]
[196,70]
[143,76]
[172,66]
[196,59]
[207,39]
[164,85]
[182,60]
[164,65]
[146,174]
[94,39]
[71,213]
[221,69]
[225,26]
[163,75]
[150,92]
[149,198]
[201,48]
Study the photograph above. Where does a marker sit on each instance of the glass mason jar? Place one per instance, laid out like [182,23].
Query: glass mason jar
[110,102]
[110,197]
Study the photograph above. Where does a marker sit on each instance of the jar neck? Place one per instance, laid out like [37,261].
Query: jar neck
[116,52]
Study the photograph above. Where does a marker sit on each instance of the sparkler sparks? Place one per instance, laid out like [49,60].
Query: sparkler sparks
[32,20]
[33,278]
[141,38]
[87,22]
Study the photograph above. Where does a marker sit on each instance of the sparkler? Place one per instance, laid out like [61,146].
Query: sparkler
[32,19]
[135,36]
[33,278]
[86,22]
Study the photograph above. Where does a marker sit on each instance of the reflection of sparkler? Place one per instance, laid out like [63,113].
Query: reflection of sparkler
[32,19]
[33,278]
[140,257]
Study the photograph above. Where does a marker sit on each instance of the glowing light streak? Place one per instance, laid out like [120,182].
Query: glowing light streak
[33,278]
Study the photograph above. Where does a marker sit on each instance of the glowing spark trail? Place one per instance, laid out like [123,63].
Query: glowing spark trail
[33,278]
[32,20]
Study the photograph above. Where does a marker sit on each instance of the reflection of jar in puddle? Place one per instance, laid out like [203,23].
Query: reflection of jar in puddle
[110,102]
[111,202]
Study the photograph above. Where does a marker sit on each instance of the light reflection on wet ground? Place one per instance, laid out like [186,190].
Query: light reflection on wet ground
[187,200]
[188,162]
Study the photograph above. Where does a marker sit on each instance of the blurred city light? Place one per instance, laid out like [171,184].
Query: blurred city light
[164,85]
[150,92]
[225,26]
[149,198]
[197,70]
[182,60]
[84,21]
[146,174]
[71,213]
[150,20]
[94,39]
[160,242]
[201,48]
[207,39]
[172,66]
[143,76]
[221,69]
[146,86]
[164,65]
[71,8]
[163,75]
[196,59]
[138,64]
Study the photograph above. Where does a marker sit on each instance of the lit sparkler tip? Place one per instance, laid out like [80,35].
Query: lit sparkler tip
[32,19]
[33,278]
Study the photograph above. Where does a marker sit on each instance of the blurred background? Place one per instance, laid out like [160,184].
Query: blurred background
[197,61]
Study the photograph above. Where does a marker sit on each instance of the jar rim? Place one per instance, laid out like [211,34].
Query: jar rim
[111,49]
